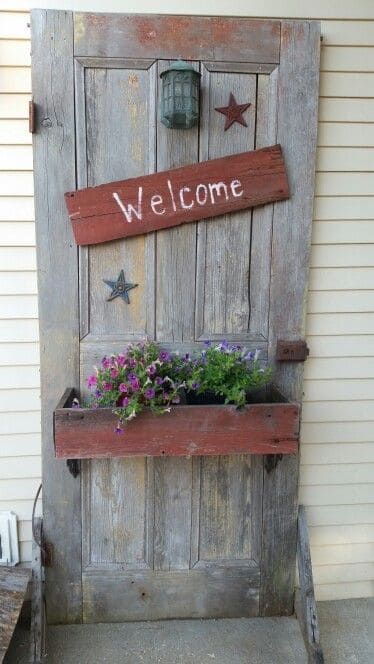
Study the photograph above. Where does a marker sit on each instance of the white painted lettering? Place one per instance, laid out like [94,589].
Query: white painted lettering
[172,196]
[215,188]
[156,201]
[201,187]
[236,184]
[130,209]
[185,205]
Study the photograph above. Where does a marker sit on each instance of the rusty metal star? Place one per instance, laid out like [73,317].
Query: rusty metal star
[233,112]
[120,288]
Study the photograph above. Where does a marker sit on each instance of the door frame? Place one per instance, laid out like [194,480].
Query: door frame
[58,37]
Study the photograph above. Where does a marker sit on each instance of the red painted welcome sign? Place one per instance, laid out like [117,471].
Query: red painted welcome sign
[178,196]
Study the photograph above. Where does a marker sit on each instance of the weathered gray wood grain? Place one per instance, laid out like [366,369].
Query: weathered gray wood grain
[13,586]
[37,624]
[292,224]
[176,248]
[171,37]
[307,609]
[218,591]
[225,511]
[224,246]
[54,173]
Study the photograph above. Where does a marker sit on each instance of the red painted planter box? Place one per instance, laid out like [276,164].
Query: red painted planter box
[258,428]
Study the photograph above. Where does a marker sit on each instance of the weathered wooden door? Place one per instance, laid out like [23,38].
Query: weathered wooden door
[138,538]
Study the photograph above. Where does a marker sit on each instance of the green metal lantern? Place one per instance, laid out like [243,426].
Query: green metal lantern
[180,96]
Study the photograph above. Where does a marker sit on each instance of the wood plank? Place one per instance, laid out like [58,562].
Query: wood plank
[106,212]
[297,106]
[223,297]
[151,36]
[307,609]
[37,626]
[175,248]
[215,591]
[53,88]
[13,586]
[188,430]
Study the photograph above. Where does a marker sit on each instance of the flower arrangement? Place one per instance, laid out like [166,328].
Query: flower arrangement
[145,375]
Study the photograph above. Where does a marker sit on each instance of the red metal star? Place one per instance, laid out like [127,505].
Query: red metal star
[234,112]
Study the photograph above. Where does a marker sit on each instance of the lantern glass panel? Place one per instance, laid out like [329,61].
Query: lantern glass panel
[180,96]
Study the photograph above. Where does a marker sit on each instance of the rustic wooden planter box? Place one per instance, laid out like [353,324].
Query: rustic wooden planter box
[258,428]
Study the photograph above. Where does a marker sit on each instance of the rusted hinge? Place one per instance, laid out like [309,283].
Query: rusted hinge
[292,351]
[31,117]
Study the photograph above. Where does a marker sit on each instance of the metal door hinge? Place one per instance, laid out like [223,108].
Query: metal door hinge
[31,117]
[292,351]
[47,553]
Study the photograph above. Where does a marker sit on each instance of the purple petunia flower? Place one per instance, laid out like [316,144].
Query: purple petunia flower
[151,370]
[135,384]
[150,393]
[114,373]
[105,362]
[132,376]
[98,394]
[118,429]
[125,402]
[158,380]
[195,386]
[207,343]
[107,386]
[123,388]
[91,380]
[121,360]
[132,362]
[164,356]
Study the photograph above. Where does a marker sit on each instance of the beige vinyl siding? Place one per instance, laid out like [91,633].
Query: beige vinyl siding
[20,461]
[337,441]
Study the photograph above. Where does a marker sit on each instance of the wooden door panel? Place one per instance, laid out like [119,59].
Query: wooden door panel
[116,512]
[182,537]
[225,509]
[116,135]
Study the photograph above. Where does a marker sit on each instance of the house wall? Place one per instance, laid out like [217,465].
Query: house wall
[337,451]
